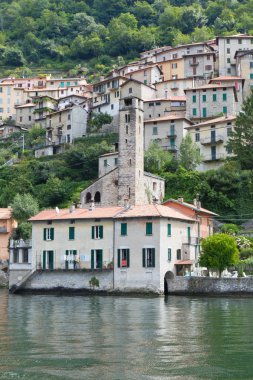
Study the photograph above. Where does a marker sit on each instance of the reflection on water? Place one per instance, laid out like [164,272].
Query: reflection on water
[50,337]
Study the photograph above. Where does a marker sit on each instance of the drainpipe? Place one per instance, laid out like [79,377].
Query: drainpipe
[113,256]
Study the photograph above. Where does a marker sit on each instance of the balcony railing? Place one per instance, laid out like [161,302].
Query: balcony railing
[211,140]
[192,63]
[214,157]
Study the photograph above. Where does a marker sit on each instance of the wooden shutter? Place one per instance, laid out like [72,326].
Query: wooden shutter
[52,233]
[143,257]
[149,228]
[128,258]
[71,233]
[101,232]
[153,257]
[123,229]
[93,232]
[92,259]
[169,229]
[118,258]
[45,234]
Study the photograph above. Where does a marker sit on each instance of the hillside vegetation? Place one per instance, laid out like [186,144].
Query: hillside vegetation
[96,34]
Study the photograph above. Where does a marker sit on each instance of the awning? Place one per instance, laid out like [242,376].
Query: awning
[184,262]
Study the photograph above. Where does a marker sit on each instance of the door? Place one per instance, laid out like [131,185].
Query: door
[96,259]
[48,260]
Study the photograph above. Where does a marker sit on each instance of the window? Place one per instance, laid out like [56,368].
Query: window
[97,232]
[25,255]
[123,229]
[194,99]
[20,119]
[169,254]
[112,106]
[224,110]
[228,41]
[228,60]
[214,97]
[15,255]
[174,56]
[174,65]
[224,97]
[203,98]
[208,67]
[251,65]
[105,163]
[1,110]
[116,161]
[169,229]
[69,126]
[204,113]
[96,259]
[229,131]
[178,254]
[149,228]
[148,257]
[48,233]
[229,71]
[145,81]
[123,258]
[194,112]
[228,50]
[155,131]
[130,90]
[29,118]
[239,41]
[1,89]
[127,118]
[251,76]
[71,233]
[197,136]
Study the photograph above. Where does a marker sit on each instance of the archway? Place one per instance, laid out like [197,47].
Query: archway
[167,277]
[97,198]
[88,198]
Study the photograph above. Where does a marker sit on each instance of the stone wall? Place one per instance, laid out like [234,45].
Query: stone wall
[77,280]
[207,285]
[3,279]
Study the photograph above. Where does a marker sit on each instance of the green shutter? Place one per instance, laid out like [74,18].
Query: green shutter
[169,254]
[45,234]
[92,259]
[149,228]
[194,111]
[74,252]
[143,257]
[225,110]
[214,97]
[204,98]
[123,229]
[224,97]
[169,229]
[204,112]
[66,261]
[153,257]
[194,99]
[118,258]
[71,233]
[100,259]
[93,232]
[128,258]
[44,259]
[101,232]
[52,233]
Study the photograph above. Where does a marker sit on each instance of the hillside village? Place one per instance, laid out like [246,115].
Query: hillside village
[195,89]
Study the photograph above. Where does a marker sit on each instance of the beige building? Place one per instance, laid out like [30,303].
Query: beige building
[172,69]
[7,224]
[212,137]
[210,101]
[148,75]
[176,87]
[168,131]
[244,69]
[25,115]
[227,48]
[182,50]
[160,107]
[200,65]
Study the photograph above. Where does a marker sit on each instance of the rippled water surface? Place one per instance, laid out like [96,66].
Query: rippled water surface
[50,337]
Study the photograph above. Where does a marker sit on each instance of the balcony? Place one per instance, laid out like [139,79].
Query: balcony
[214,157]
[171,148]
[211,140]
[190,240]
[171,134]
[194,64]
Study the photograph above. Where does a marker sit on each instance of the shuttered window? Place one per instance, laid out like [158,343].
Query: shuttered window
[149,228]
[169,229]
[123,229]
[148,257]
[71,233]
[123,258]
[97,232]
[48,234]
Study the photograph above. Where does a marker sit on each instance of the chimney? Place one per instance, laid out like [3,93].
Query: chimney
[195,201]
[198,204]
[72,208]
[92,205]
[181,199]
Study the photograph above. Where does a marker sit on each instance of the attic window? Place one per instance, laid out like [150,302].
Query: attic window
[49,222]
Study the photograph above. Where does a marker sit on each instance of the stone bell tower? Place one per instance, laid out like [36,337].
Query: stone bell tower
[131,152]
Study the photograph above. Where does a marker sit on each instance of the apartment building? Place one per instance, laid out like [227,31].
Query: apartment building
[168,131]
[244,69]
[182,50]
[212,137]
[176,87]
[210,101]
[172,69]
[227,48]
[159,107]
[148,75]
[25,115]
[200,65]
[237,82]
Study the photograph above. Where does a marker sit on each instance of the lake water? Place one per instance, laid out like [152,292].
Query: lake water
[50,337]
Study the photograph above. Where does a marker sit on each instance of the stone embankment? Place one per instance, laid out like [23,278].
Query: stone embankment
[3,279]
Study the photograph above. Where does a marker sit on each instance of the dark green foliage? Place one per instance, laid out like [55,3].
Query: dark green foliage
[51,32]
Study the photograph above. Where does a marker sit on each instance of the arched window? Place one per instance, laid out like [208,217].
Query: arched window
[97,198]
[88,198]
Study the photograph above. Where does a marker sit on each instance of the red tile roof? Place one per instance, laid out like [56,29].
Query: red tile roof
[5,213]
[188,205]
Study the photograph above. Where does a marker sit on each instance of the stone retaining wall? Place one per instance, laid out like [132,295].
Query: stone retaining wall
[207,285]
[77,280]
[3,279]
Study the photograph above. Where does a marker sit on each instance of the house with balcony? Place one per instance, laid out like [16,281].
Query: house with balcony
[160,107]
[176,87]
[210,101]
[167,131]
[202,65]
[212,137]
[7,225]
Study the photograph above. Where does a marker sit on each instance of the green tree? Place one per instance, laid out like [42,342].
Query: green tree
[97,120]
[230,229]
[219,252]
[24,206]
[189,155]
[156,159]
[241,141]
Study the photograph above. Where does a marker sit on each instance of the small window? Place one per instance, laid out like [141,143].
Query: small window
[97,232]
[194,99]
[105,163]
[224,97]
[116,161]
[148,257]
[155,131]
[169,254]
[25,255]
[204,98]
[194,112]
[228,50]
[169,229]
[48,233]
[214,97]
[71,233]
[123,229]
[178,254]
[130,90]
[197,136]
[15,255]
[149,228]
